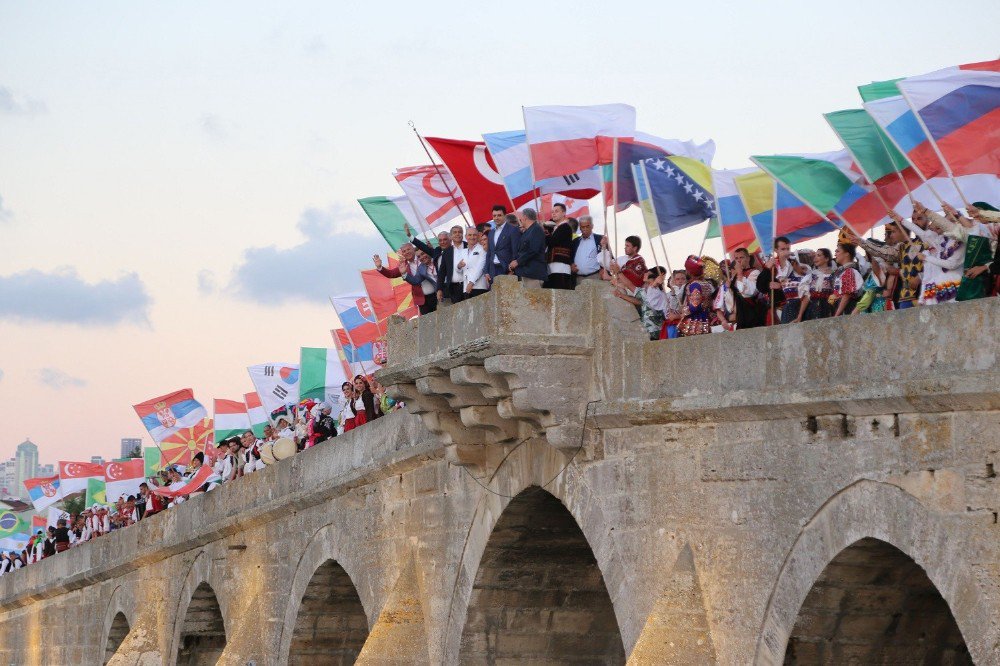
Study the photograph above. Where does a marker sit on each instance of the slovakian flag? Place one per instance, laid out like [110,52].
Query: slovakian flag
[256,413]
[756,192]
[959,109]
[169,413]
[200,478]
[44,491]
[180,447]
[390,215]
[230,419]
[472,166]
[73,476]
[568,139]
[734,223]
[357,317]
[510,153]
[433,192]
[122,478]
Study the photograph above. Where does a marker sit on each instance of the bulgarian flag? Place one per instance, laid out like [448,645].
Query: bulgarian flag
[322,372]
[231,419]
[255,413]
[389,215]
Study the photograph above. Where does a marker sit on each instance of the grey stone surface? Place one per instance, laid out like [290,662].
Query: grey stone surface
[712,480]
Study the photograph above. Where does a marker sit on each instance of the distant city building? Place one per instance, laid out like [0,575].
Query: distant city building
[27,466]
[129,444]
[8,477]
[97,460]
[47,470]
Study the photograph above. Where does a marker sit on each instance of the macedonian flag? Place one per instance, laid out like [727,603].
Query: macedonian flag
[180,447]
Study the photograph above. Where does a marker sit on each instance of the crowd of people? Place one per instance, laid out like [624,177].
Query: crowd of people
[305,425]
[931,258]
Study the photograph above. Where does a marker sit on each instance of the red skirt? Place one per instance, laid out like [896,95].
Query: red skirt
[360,418]
[349,425]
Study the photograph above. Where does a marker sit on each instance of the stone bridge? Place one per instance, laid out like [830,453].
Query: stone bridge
[560,490]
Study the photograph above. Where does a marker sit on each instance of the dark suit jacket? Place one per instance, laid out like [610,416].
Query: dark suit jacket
[531,254]
[504,251]
[418,293]
[576,245]
[444,268]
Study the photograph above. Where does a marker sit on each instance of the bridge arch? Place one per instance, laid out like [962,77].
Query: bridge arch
[119,618]
[520,479]
[884,526]
[200,618]
[325,584]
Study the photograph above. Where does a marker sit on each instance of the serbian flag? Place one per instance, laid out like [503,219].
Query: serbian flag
[44,491]
[473,168]
[200,478]
[73,476]
[122,479]
[169,413]
[180,447]
[357,317]
[567,139]
[433,192]
[388,296]
[737,232]
[959,107]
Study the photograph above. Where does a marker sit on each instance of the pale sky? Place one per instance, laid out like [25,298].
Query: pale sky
[178,180]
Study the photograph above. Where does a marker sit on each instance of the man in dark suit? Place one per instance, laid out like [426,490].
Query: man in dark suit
[586,251]
[450,284]
[529,263]
[503,245]
[444,242]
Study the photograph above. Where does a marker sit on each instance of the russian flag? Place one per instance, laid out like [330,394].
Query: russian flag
[960,109]
[44,491]
[169,413]
[510,154]
[734,223]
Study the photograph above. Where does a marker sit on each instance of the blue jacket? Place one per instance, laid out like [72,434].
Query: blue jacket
[505,251]
[421,276]
[531,254]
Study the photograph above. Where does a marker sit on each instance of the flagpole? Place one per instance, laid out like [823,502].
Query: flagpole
[441,175]
[937,151]
[652,210]
[864,173]
[614,195]
[357,359]
[917,171]
[825,216]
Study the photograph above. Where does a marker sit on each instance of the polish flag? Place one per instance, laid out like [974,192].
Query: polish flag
[568,139]
[73,476]
[123,478]
[473,168]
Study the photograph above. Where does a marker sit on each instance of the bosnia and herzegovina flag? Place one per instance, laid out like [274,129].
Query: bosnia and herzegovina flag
[678,192]
[169,413]
[44,491]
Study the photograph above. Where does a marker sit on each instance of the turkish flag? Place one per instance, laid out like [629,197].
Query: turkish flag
[475,172]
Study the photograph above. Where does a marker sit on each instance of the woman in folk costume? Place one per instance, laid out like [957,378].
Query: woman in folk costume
[347,413]
[943,259]
[796,288]
[366,408]
[847,280]
[821,285]
[979,239]
[697,316]
[284,427]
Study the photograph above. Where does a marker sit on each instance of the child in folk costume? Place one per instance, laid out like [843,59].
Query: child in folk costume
[697,315]
[650,299]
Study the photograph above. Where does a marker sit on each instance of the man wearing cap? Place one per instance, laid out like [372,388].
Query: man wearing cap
[324,427]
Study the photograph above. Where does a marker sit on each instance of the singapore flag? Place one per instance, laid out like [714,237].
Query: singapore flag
[73,475]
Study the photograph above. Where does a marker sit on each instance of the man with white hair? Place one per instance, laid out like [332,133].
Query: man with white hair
[587,251]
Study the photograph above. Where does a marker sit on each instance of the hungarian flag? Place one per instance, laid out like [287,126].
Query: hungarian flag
[73,475]
[256,413]
[122,479]
[231,419]
[568,139]
[169,413]
[180,447]
[476,173]
[433,192]
[44,491]
[201,477]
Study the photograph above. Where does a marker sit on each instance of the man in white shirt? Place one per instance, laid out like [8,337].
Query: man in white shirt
[450,273]
[477,279]
[586,251]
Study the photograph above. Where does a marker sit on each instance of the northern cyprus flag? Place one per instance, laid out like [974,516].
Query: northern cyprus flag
[255,413]
[231,419]
[122,479]
[277,384]
[322,373]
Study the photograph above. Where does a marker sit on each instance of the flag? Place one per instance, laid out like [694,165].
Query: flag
[357,317]
[97,492]
[256,413]
[734,222]
[472,166]
[15,530]
[322,373]
[567,139]
[277,384]
[795,220]
[179,448]
[123,478]
[73,476]
[878,159]
[152,461]
[39,523]
[389,215]
[703,152]
[433,193]
[43,491]
[200,478]
[169,413]
[713,230]
[388,296]
[360,359]
[879,89]
[959,109]
[826,182]
[756,192]
[55,515]
[510,153]
[679,192]
[574,207]
[645,201]
[230,419]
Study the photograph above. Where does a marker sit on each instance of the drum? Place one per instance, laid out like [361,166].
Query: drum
[266,455]
[283,448]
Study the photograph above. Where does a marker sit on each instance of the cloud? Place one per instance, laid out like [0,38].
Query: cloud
[315,46]
[215,127]
[15,105]
[63,297]
[6,214]
[57,379]
[338,243]
[206,282]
